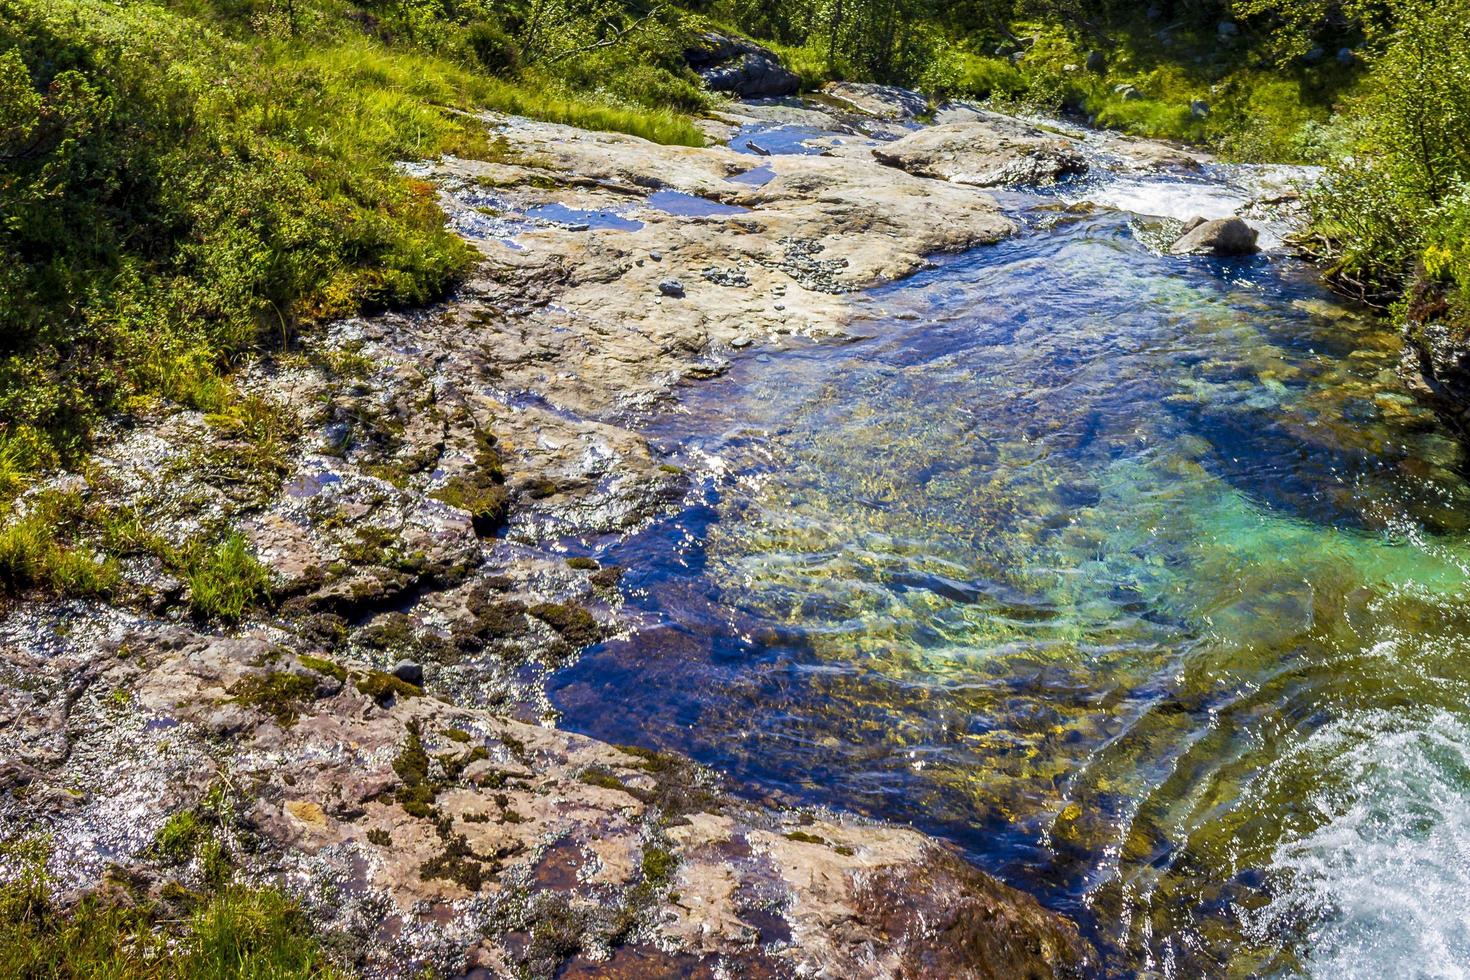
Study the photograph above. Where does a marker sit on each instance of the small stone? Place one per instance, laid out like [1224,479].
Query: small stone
[656,256]
[409,672]
[1346,56]
[780,306]
[671,287]
[1226,29]
[1199,108]
[741,342]
[1097,63]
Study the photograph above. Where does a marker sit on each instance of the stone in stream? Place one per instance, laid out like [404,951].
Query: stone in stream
[409,672]
[1220,236]
[672,287]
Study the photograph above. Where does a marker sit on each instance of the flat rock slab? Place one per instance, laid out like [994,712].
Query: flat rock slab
[881,101]
[984,153]
[435,834]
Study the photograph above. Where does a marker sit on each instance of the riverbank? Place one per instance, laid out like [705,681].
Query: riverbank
[407,497]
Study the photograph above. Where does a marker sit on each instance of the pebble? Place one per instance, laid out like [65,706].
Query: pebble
[742,342]
[671,287]
[656,256]
[409,672]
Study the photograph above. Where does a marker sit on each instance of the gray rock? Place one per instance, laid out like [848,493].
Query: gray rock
[882,101]
[1227,29]
[1199,108]
[1128,92]
[1346,56]
[741,67]
[672,287]
[1221,236]
[1314,55]
[990,152]
[1097,63]
[409,672]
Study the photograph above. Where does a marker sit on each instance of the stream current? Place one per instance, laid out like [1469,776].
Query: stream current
[1140,578]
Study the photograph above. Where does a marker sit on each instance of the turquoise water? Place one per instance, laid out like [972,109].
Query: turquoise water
[1139,578]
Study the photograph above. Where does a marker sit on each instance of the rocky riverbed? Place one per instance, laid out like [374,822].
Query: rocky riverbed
[379,731]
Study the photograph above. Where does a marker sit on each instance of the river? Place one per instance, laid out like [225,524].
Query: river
[1140,578]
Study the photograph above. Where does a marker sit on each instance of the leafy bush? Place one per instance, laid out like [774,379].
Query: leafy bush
[1397,210]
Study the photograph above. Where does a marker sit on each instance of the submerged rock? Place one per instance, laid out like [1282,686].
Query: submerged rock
[1220,236]
[985,153]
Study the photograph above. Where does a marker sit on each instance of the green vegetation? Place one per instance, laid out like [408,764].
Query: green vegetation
[1393,216]
[185,180]
[225,579]
[279,694]
[230,931]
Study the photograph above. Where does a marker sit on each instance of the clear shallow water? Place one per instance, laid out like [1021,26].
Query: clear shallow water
[1139,578]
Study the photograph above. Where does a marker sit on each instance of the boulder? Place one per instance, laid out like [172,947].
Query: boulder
[883,101]
[740,67]
[985,153]
[1220,236]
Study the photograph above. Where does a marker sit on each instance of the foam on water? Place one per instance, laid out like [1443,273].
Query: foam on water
[1380,886]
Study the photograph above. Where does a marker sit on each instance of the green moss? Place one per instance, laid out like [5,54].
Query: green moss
[328,668]
[604,780]
[606,578]
[457,735]
[802,837]
[480,490]
[179,836]
[280,694]
[382,686]
[582,564]
[416,792]
[456,862]
[573,623]
[379,837]
[658,866]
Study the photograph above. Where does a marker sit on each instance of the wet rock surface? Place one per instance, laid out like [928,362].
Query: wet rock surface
[985,153]
[1219,236]
[379,725]
[883,101]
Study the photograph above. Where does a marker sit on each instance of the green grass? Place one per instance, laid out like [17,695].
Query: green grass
[33,556]
[224,579]
[233,932]
[546,103]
